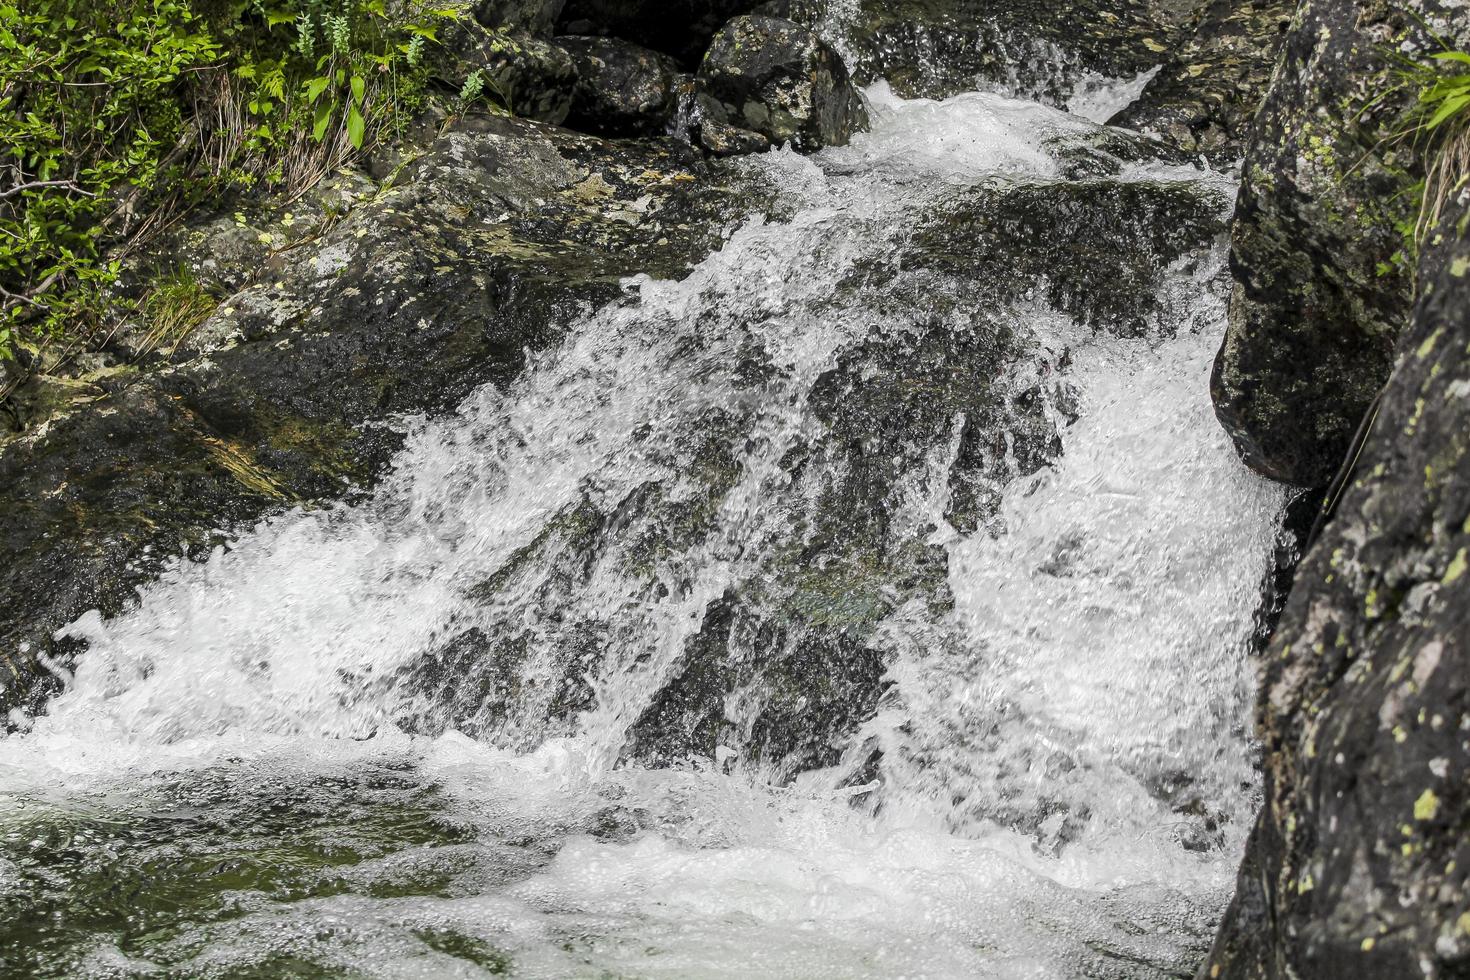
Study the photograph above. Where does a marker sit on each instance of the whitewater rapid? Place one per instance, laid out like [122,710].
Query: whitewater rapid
[267,678]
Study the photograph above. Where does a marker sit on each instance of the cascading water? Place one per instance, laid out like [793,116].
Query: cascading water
[843,610]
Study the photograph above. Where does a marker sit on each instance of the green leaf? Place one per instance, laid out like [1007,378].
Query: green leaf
[1447,109]
[323,117]
[356,127]
[359,88]
[315,87]
[1460,56]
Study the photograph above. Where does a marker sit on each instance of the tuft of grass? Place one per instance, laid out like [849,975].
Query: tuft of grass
[1439,122]
[173,310]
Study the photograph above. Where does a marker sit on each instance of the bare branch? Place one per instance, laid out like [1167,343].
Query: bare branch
[70,185]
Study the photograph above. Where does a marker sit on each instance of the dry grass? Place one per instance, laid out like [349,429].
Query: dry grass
[1447,176]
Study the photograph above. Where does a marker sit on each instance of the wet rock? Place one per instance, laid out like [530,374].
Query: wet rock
[1033,48]
[1066,242]
[1208,90]
[791,663]
[379,317]
[525,75]
[622,89]
[1359,864]
[767,82]
[1322,286]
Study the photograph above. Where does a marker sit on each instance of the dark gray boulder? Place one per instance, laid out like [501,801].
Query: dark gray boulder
[1358,866]
[767,82]
[532,16]
[526,75]
[1039,49]
[1322,286]
[622,89]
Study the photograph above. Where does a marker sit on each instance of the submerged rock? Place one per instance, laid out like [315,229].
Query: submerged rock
[622,89]
[1360,862]
[948,398]
[1322,283]
[767,82]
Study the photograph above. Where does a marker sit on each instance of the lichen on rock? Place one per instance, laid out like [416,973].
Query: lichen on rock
[768,82]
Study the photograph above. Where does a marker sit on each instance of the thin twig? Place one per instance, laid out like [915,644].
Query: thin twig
[70,185]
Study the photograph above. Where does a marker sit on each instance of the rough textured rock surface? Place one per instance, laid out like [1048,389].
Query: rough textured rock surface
[1037,48]
[377,317]
[1207,92]
[528,76]
[622,89]
[681,28]
[767,82]
[1322,291]
[1358,866]
[799,641]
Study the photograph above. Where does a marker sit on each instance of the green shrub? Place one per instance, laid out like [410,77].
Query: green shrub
[116,116]
[91,122]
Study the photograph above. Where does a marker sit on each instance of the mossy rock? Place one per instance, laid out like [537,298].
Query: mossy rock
[1319,253]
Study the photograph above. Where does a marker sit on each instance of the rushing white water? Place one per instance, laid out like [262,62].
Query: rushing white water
[1099,98]
[1062,778]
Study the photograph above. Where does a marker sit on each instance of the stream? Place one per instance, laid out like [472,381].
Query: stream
[861,605]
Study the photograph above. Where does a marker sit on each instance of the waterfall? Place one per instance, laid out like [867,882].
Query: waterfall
[862,605]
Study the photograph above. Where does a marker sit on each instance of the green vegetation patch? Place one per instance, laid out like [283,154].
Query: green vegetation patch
[117,117]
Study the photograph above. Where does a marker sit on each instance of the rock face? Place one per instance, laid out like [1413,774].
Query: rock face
[1358,863]
[1322,288]
[526,75]
[766,82]
[1037,48]
[379,316]
[622,89]
[1358,866]
[532,16]
[1207,93]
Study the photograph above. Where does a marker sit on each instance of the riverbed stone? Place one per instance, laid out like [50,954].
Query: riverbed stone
[536,17]
[768,82]
[680,28]
[525,75]
[1038,49]
[1207,91]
